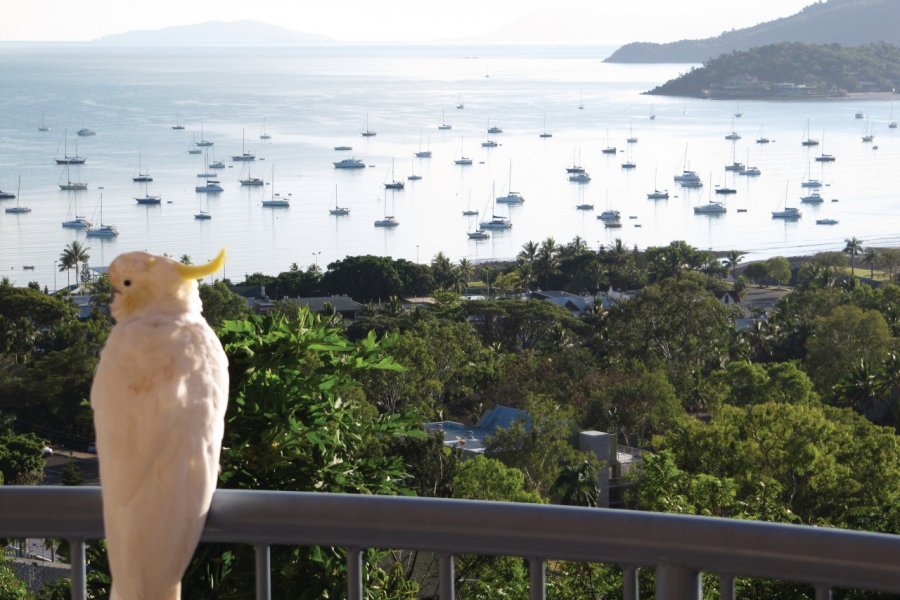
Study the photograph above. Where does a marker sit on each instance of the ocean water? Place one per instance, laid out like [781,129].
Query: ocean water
[312,99]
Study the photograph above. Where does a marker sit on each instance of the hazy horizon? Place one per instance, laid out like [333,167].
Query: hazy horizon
[403,21]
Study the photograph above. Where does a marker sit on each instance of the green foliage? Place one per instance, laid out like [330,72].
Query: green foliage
[370,278]
[484,478]
[21,458]
[820,465]
[72,474]
[677,325]
[11,587]
[541,453]
[220,304]
[744,383]
[61,589]
[516,325]
[841,339]
[297,420]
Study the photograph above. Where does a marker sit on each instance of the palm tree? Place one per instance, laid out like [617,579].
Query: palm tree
[872,258]
[731,262]
[465,270]
[526,259]
[72,256]
[853,247]
[577,485]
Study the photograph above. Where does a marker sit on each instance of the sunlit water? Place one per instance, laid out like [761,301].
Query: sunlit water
[313,99]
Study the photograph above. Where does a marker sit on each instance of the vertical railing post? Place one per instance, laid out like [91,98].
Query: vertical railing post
[79,569]
[677,583]
[354,574]
[538,578]
[630,586]
[263,572]
[823,592]
[448,577]
[726,586]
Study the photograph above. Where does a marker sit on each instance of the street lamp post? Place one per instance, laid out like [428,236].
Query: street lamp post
[316,259]
[417,254]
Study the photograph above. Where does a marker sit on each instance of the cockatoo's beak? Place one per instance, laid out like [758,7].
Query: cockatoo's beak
[189,272]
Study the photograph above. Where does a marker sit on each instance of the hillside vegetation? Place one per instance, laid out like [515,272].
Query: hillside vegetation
[791,70]
[844,22]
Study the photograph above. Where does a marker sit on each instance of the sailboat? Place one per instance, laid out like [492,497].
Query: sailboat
[511,197]
[544,133]
[735,165]
[580,100]
[192,149]
[459,103]
[18,208]
[868,135]
[628,164]
[810,182]
[250,180]
[609,149]
[206,174]
[66,159]
[264,135]
[631,139]
[141,176]
[710,208]
[43,126]
[338,211]
[497,222]
[423,153]
[893,123]
[77,221]
[733,136]
[463,159]
[367,132]
[469,212]
[575,168]
[412,176]
[738,114]
[444,125]
[276,200]
[203,143]
[808,141]
[825,157]
[147,198]
[787,212]
[177,125]
[609,215]
[71,185]
[652,114]
[203,215]
[394,184]
[244,156]
[102,231]
[478,234]
[657,194]
[389,221]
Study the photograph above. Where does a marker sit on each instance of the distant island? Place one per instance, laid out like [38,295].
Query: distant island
[791,71]
[844,22]
[215,33]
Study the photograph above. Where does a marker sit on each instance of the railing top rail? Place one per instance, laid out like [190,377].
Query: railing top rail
[821,556]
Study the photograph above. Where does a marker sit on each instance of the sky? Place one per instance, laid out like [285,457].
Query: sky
[601,21]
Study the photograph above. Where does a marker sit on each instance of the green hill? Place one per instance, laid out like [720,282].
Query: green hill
[791,71]
[844,22]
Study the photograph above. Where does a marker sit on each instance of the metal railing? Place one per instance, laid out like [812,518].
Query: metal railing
[678,547]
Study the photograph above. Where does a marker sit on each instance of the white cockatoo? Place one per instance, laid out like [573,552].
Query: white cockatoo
[159,398]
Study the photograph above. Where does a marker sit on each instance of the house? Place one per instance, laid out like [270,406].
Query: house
[728,298]
[470,440]
[572,302]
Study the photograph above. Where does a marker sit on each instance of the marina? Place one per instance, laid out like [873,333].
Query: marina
[399,104]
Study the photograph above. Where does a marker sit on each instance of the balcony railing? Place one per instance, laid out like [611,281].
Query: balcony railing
[678,547]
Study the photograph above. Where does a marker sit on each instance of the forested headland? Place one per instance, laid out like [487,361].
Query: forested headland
[791,70]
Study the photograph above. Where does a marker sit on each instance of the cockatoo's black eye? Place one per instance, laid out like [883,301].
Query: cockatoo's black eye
[127,283]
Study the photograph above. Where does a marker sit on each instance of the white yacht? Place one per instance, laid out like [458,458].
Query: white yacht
[687,176]
[463,160]
[77,223]
[210,187]
[710,208]
[609,215]
[658,195]
[826,222]
[789,212]
[814,198]
[489,144]
[735,166]
[85,132]
[387,221]
[511,197]
[350,163]
[811,183]
[276,201]
[496,223]
[244,156]
[825,158]
[581,177]
[103,231]
[751,172]
[478,234]
[18,209]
